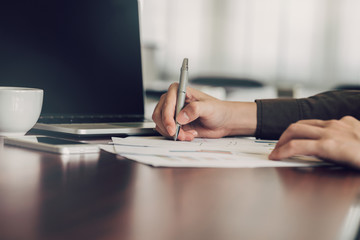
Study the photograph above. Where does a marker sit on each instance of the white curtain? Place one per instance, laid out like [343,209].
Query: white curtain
[275,41]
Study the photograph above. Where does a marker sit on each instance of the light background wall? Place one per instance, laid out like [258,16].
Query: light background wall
[279,42]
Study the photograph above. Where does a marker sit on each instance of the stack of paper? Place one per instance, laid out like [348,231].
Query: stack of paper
[235,152]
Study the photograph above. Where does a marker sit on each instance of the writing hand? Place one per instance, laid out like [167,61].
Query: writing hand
[203,116]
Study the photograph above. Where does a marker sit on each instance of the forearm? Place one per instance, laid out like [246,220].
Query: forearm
[242,118]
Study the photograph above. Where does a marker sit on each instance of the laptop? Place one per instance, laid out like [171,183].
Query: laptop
[85,54]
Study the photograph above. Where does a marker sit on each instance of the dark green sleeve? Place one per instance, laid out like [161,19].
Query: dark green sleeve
[275,115]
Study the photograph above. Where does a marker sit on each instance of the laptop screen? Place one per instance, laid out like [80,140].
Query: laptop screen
[85,54]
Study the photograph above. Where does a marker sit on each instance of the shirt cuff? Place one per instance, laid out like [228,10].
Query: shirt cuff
[275,115]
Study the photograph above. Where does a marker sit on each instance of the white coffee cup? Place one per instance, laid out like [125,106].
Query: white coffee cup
[20,109]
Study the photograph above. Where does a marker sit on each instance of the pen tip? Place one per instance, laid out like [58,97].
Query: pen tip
[177,132]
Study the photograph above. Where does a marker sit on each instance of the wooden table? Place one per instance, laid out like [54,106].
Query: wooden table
[102,196]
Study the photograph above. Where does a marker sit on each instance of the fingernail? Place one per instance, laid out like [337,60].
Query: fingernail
[195,133]
[183,118]
[272,156]
[170,130]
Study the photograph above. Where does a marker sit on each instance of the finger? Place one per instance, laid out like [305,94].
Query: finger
[188,135]
[313,122]
[203,131]
[162,132]
[293,148]
[157,117]
[183,135]
[300,131]
[168,110]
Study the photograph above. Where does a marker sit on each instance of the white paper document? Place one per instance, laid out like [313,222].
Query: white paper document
[234,152]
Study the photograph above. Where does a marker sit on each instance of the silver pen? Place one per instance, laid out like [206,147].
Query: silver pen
[181,93]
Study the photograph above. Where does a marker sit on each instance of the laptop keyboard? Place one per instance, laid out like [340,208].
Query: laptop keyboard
[90,119]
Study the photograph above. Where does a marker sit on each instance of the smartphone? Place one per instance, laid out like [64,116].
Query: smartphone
[51,144]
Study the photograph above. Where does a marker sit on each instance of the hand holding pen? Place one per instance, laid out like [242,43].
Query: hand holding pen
[202,116]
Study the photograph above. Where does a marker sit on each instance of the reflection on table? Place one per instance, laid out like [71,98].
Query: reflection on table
[104,196]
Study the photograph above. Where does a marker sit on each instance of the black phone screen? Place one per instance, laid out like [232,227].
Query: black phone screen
[56,141]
